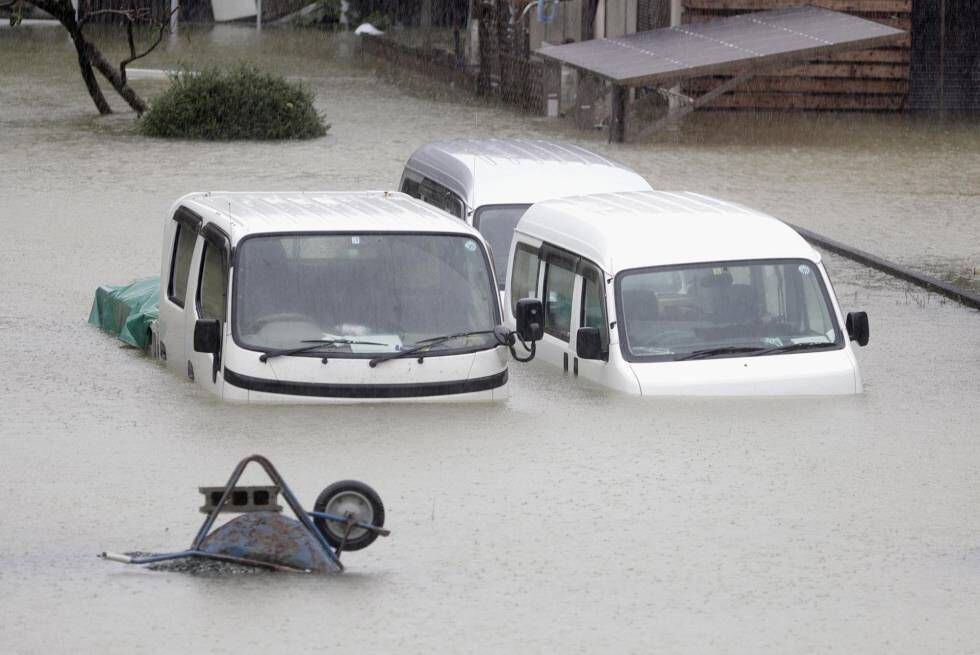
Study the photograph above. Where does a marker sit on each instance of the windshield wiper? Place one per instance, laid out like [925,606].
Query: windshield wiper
[424,344]
[791,347]
[313,344]
[706,353]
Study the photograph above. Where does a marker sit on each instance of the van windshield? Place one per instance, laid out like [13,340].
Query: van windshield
[496,223]
[380,292]
[724,309]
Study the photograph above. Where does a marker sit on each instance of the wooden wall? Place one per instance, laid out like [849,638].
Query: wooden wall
[873,80]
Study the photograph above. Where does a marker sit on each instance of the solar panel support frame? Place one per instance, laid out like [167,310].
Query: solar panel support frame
[674,115]
[741,70]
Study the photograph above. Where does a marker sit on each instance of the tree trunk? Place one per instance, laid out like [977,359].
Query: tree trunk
[89,56]
[115,79]
[88,75]
[65,13]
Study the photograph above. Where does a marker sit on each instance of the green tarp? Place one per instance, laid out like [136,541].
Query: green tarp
[127,310]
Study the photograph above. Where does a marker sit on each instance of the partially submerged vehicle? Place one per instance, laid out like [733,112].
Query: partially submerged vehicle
[286,297]
[660,293]
[490,183]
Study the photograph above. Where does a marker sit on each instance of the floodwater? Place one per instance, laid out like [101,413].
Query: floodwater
[568,519]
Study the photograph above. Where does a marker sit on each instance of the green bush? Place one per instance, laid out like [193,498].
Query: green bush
[241,103]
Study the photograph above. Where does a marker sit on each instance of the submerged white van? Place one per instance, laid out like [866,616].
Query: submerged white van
[303,297]
[660,293]
[490,183]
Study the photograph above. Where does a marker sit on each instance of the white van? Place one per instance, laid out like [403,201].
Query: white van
[490,183]
[303,297]
[660,293]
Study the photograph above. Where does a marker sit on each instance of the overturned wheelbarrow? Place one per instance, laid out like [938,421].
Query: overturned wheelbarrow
[348,515]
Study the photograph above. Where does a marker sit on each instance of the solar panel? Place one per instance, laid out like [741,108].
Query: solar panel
[722,46]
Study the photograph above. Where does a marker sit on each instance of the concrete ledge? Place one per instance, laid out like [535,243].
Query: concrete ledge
[926,282]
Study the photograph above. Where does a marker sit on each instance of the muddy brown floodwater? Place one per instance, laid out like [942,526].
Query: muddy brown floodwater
[568,519]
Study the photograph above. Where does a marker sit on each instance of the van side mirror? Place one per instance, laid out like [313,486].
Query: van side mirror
[588,343]
[858,328]
[207,336]
[529,314]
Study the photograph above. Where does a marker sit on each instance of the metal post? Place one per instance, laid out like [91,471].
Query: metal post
[425,22]
[942,56]
[676,11]
[552,89]
[258,15]
[617,114]
[473,41]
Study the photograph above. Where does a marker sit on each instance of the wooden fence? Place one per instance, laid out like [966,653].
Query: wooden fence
[159,10]
[431,62]
[872,80]
[512,79]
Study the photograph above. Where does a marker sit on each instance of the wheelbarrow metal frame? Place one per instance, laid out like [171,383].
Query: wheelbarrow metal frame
[302,516]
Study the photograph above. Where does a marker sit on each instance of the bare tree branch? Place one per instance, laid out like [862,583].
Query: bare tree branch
[119,80]
[161,28]
[131,15]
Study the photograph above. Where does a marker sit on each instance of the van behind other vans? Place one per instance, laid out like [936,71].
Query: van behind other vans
[661,293]
[490,183]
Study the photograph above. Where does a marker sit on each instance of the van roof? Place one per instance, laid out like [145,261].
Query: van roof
[243,213]
[520,171]
[620,231]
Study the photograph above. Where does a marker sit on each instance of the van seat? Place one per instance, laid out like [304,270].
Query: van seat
[640,305]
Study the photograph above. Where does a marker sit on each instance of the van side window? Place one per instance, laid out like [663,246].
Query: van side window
[593,313]
[212,287]
[524,278]
[559,279]
[411,187]
[439,196]
[180,263]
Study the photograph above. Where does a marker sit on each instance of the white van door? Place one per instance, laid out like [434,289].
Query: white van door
[210,270]
[557,346]
[180,237]
[591,310]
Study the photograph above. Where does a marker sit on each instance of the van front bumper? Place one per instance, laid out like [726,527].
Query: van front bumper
[364,391]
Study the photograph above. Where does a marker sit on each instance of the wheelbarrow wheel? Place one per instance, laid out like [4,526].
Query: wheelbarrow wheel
[349,497]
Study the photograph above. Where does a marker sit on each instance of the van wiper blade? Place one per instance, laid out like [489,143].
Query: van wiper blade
[424,344]
[313,344]
[792,347]
[707,353]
